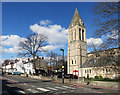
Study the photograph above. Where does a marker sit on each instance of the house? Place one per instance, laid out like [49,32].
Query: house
[41,65]
[28,68]
[7,66]
[18,66]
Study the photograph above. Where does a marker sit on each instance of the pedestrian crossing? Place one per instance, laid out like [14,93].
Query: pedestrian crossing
[43,89]
[49,89]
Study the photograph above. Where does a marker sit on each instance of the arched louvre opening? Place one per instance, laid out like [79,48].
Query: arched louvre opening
[79,34]
[75,35]
[72,61]
[83,35]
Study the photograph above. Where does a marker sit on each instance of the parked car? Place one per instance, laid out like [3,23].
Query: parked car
[16,73]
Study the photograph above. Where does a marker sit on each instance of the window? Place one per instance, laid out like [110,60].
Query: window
[106,70]
[83,35]
[75,35]
[103,70]
[79,33]
[90,71]
[85,71]
[97,55]
[72,61]
[75,61]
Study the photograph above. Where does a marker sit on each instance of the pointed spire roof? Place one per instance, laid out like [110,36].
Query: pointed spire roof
[76,20]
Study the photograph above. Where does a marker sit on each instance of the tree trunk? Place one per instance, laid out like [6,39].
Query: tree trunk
[34,66]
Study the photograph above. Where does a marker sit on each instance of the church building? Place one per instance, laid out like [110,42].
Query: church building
[104,63]
[77,45]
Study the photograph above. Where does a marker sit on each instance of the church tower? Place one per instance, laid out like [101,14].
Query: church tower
[77,45]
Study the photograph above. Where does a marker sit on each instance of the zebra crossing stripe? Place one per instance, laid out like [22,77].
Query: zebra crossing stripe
[20,91]
[51,88]
[43,89]
[68,87]
[60,87]
[32,90]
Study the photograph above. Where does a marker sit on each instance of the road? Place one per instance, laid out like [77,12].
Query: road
[14,84]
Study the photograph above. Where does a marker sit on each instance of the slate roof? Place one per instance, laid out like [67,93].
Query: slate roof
[97,62]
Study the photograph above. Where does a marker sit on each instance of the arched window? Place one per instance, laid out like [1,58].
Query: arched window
[72,61]
[83,35]
[106,70]
[90,71]
[79,34]
[103,70]
[75,35]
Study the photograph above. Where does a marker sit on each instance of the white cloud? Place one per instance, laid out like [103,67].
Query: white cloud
[55,33]
[93,41]
[11,40]
[51,47]
[57,37]
[14,49]
[45,22]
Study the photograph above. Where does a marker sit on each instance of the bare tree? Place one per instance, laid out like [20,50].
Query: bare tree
[33,45]
[107,22]
[53,59]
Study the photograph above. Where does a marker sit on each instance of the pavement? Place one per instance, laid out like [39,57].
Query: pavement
[13,84]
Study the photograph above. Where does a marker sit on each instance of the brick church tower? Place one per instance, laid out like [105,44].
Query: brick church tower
[77,45]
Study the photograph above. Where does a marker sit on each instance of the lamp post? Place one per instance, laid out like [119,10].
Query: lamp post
[62,66]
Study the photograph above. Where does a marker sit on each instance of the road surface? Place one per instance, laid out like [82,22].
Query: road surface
[17,85]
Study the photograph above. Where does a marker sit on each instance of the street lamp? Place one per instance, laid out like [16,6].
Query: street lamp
[62,66]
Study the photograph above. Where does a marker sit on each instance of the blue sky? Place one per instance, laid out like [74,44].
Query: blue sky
[21,19]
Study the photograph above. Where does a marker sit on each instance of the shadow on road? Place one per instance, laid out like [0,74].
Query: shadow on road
[96,88]
[9,88]
[46,80]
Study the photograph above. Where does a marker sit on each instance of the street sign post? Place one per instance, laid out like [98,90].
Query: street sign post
[62,66]
[63,74]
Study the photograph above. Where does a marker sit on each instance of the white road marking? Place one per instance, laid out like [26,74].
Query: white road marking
[20,91]
[25,84]
[51,88]
[68,87]
[43,89]
[97,92]
[32,85]
[32,90]
[60,87]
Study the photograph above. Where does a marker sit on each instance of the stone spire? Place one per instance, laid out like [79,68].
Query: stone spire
[76,20]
